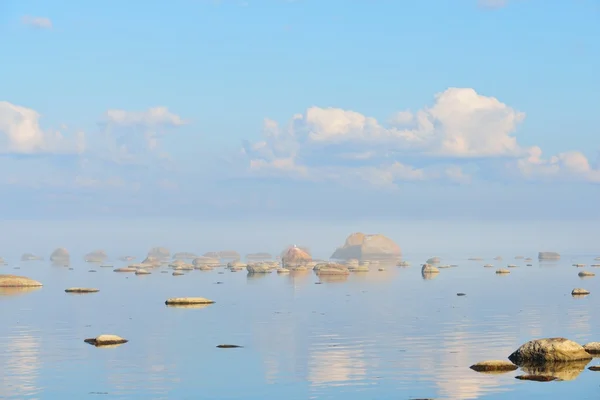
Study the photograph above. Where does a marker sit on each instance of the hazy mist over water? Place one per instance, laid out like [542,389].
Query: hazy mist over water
[427,237]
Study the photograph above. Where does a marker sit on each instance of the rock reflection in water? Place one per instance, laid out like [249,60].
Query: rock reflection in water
[566,371]
[15,291]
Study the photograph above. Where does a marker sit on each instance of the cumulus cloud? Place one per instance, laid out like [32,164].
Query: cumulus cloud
[461,124]
[568,166]
[20,133]
[151,118]
[37,22]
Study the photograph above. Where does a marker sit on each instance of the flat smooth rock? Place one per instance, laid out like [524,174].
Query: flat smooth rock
[188,300]
[17,281]
[106,340]
[81,290]
[125,269]
[493,365]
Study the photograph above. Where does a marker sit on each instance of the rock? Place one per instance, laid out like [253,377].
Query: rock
[81,290]
[461,294]
[229,346]
[127,258]
[548,255]
[258,257]
[332,269]
[107,266]
[92,270]
[184,256]
[367,247]
[295,256]
[125,269]
[493,365]
[177,273]
[434,260]
[258,269]
[586,273]
[511,266]
[475,259]
[106,340]
[283,271]
[177,263]
[153,261]
[142,272]
[579,292]
[204,268]
[549,350]
[592,347]
[595,265]
[488,266]
[594,368]
[206,261]
[15,281]
[502,271]
[380,269]
[96,256]
[429,269]
[536,378]
[188,301]
[579,265]
[159,253]
[529,259]
[60,255]
[229,255]
[30,257]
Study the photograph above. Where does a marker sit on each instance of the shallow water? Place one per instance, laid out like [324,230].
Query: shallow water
[376,335]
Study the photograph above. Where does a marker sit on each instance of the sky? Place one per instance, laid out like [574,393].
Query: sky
[324,110]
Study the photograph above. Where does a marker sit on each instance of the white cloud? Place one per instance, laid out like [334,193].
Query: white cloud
[151,118]
[37,22]
[569,166]
[20,133]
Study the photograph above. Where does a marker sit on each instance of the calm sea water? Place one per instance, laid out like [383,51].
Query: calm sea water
[376,335]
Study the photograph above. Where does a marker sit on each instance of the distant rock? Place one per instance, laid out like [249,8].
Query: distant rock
[153,261]
[127,258]
[586,274]
[366,247]
[433,260]
[592,348]
[548,256]
[259,257]
[229,346]
[178,273]
[488,265]
[212,254]
[206,261]
[17,281]
[188,301]
[142,272]
[519,257]
[580,292]
[494,366]
[96,256]
[159,253]
[579,265]
[283,271]
[184,256]
[429,269]
[229,255]
[332,269]
[502,271]
[30,257]
[498,258]
[60,255]
[295,256]
[403,264]
[475,259]
[81,290]
[204,268]
[106,340]
[125,269]
[549,350]
[258,269]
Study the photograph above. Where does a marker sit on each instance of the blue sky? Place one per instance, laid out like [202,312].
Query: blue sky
[169,106]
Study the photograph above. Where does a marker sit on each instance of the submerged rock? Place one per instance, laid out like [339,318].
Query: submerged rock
[498,258]
[488,266]
[549,350]
[365,247]
[548,255]
[177,273]
[96,256]
[403,264]
[106,340]
[283,271]
[493,365]
[14,281]
[188,301]
[81,290]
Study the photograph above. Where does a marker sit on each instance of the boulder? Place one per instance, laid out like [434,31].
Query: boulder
[81,290]
[258,269]
[429,269]
[184,256]
[580,292]
[212,254]
[366,247]
[96,256]
[541,351]
[586,273]
[159,253]
[14,281]
[494,366]
[548,255]
[592,347]
[502,271]
[295,256]
[106,340]
[188,301]
[30,257]
[60,255]
[434,260]
[332,269]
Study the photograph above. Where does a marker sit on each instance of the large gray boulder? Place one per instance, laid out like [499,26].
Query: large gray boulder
[548,255]
[549,350]
[367,247]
